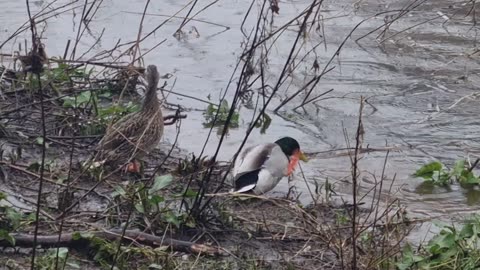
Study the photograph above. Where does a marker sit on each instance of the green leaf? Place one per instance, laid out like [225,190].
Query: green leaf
[14,217]
[140,208]
[84,97]
[78,101]
[445,240]
[62,252]
[87,235]
[118,191]
[470,229]
[408,258]
[39,140]
[426,171]
[160,183]
[4,235]
[190,194]
[458,168]
[76,236]
[468,177]
[172,218]
[156,199]
[73,265]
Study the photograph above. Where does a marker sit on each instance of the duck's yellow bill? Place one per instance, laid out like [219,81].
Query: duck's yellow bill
[302,157]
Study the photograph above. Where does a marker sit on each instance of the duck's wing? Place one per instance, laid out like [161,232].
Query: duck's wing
[239,160]
[273,170]
[249,164]
[127,137]
[246,181]
[120,133]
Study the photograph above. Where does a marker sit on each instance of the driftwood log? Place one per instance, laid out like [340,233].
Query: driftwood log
[68,240]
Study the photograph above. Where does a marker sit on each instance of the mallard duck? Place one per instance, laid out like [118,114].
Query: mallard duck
[136,133]
[261,167]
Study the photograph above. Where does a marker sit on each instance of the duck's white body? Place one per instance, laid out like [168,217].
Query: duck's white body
[260,168]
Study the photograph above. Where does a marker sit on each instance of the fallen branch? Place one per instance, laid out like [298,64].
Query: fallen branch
[70,240]
[173,118]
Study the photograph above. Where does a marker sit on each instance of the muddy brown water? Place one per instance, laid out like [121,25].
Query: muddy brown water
[420,84]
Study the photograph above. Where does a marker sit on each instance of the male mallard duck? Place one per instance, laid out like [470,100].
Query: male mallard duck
[136,133]
[260,168]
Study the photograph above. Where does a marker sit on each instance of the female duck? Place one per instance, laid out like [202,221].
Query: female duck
[137,133]
[260,168]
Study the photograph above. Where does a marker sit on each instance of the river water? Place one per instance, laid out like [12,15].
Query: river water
[420,83]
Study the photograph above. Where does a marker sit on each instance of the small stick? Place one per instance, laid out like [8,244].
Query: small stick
[474,165]
[66,49]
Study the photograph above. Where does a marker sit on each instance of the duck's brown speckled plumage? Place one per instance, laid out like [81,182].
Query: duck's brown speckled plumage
[137,133]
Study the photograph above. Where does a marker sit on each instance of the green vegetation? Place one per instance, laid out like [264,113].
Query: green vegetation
[437,173]
[150,202]
[65,73]
[49,260]
[449,249]
[11,220]
[222,116]
[106,115]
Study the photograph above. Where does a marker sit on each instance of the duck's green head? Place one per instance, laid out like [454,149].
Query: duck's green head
[291,147]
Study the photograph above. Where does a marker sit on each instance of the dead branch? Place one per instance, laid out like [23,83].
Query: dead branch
[173,118]
[70,240]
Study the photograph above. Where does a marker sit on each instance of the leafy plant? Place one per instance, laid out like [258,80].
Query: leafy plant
[222,117]
[449,249]
[79,101]
[10,220]
[106,115]
[152,204]
[438,174]
[48,261]
[63,72]
[104,252]
[341,218]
